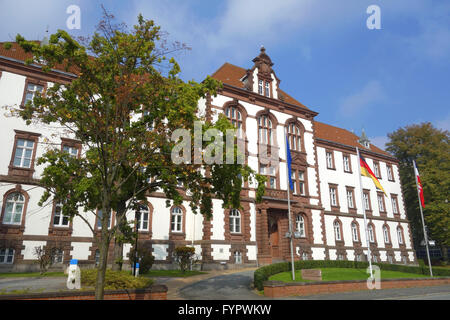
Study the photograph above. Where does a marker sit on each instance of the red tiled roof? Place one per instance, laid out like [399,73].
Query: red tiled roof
[17,53]
[339,135]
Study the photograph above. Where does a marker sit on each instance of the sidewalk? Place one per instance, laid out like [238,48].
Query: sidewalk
[174,285]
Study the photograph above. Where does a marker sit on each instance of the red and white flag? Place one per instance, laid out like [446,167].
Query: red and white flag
[419,185]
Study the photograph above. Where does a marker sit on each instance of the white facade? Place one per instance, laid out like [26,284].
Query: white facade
[262,226]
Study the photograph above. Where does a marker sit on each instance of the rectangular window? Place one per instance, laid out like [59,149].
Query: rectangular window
[30,92]
[366,200]
[143,221]
[60,220]
[390,173]
[72,151]
[350,199]
[6,256]
[267,91]
[176,222]
[333,197]
[294,182]
[270,173]
[24,153]
[301,182]
[347,163]
[394,204]
[329,156]
[260,87]
[381,202]
[376,170]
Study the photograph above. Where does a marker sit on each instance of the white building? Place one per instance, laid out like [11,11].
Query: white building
[326,204]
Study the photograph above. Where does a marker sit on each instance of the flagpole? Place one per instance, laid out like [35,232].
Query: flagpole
[288,185]
[369,255]
[416,172]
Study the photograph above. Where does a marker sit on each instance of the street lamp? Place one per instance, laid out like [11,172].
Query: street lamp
[137,218]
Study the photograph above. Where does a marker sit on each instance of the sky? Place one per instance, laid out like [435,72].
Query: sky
[323,52]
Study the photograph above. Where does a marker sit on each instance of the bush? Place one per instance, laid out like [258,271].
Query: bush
[145,259]
[262,274]
[114,280]
[184,256]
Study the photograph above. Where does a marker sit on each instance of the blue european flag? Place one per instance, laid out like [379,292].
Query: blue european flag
[289,162]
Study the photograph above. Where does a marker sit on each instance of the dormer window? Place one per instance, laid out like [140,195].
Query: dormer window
[264,88]
[260,87]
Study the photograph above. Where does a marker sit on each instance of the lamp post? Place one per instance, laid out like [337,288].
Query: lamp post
[137,218]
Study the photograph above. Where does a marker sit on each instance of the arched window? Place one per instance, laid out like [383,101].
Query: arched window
[371,234]
[265,130]
[143,218]
[355,232]
[337,230]
[400,235]
[235,221]
[177,220]
[236,119]
[386,234]
[300,224]
[294,137]
[15,203]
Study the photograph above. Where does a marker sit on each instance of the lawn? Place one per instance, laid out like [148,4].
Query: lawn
[338,274]
[31,274]
[172,273]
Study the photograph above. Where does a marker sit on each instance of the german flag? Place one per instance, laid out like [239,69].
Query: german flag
[365,171]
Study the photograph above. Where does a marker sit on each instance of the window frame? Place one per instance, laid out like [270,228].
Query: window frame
[61,217]
[300,220]
[14,170]
[235,216]
[7,254]
[337,226]
[346,155]
[334,187]
[13,213]
[32,81]
[330,160]
[386,234]
[180,215]
[355,227]
[394,204]
[390,176]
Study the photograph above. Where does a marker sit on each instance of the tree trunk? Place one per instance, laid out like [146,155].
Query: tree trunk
[104,246]
[121,219]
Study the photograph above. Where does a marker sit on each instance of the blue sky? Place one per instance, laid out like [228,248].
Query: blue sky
[324,54]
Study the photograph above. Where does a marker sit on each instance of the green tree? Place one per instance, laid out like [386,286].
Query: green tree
[430,148]
[124,106]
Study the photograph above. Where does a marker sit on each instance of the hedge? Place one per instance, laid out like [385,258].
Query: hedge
[262,274]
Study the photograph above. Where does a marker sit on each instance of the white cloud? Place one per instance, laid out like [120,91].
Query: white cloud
[356,102]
